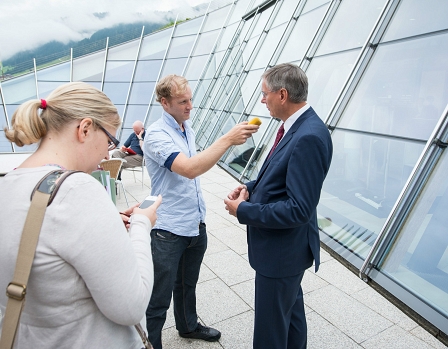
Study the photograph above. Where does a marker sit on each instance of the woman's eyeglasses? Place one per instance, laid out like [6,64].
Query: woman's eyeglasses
[113,142]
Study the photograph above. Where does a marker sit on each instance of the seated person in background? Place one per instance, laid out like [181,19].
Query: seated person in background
[131,151]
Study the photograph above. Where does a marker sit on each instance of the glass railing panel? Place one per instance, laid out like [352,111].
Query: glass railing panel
[343,23]
[19,90]
[215,19]
[269,45]
[119,71]
[46,87]
[301,35]
[134,113]
[189,27]
[195,67]
[155,45]
[414,17]
[174,66]
[147,70]
[181,46]
[327,75]
[116,91]
[366,176]
[141,93]
[60,72]
[125,52]
[205,43]
[89,68]
[418,259]
[402,93]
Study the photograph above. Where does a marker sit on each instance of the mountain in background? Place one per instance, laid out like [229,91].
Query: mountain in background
[55,50]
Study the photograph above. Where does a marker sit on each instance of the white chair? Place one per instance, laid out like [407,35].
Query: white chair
[137,169]
[114,166]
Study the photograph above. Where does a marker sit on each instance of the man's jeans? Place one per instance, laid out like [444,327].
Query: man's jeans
[177,261]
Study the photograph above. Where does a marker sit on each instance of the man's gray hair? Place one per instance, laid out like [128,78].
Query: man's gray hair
[291,78]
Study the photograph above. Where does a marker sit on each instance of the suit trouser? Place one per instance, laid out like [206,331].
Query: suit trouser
[131,160]
[177,262]
[280,321]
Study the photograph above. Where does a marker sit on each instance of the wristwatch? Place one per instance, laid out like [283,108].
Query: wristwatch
[140,139]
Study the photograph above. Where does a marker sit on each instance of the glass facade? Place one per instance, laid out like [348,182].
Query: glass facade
[378,77]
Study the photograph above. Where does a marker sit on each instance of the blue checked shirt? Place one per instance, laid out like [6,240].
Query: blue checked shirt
[183,206]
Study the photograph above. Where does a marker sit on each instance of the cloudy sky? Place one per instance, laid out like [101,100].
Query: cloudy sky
[26,24]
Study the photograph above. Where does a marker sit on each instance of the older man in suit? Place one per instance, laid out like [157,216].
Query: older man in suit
[279,209]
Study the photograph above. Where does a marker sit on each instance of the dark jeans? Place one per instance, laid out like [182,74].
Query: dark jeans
[177,261]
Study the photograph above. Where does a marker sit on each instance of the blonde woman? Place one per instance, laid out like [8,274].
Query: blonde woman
[91,279]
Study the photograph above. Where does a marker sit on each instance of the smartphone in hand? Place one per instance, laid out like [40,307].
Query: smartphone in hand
[149,200]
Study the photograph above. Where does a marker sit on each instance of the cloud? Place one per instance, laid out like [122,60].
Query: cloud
[27,24]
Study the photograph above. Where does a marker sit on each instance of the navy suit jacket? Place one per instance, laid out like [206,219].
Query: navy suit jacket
[282,232]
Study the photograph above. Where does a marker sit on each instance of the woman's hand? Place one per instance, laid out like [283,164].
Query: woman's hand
[150,211]
[126,215]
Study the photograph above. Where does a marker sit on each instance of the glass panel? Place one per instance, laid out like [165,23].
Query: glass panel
[155,45]
[45,88]
[215,19]
[189,27]
[403,92]
[269,45]
[312,4]
[97,85]
[116,91]
[125,134]
[120,110]
[248,51]
[250,83]
[119,71]
[124,52]
[205,44]
[174,66]
[200,92]
[5,145]
[154,114]
[419,257]
[239,10]
[227,36]
[147,70]
[261,23]
[415,17]
[89,68]
[286,11]
[59,72]
[326,75]
[195,67]
[344,22]
[19,90]
[301,35]
[134,113]
[141,93]
[366,176]
[181,46]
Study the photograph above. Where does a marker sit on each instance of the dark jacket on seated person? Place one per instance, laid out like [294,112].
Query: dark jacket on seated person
[133,143]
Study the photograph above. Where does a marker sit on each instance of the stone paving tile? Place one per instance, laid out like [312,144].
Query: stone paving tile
[217,302]
[424,335]
[338,275]
[246,290]
[347,314]
[214,188]
[229,266]
[381,305]
[206,274]
[234,237]
[210,197]
[312,281]
[397,338]
[237,331]
[216,221]
[214,245]
[322,334]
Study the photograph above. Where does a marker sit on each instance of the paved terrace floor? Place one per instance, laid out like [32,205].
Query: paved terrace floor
[342,311]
